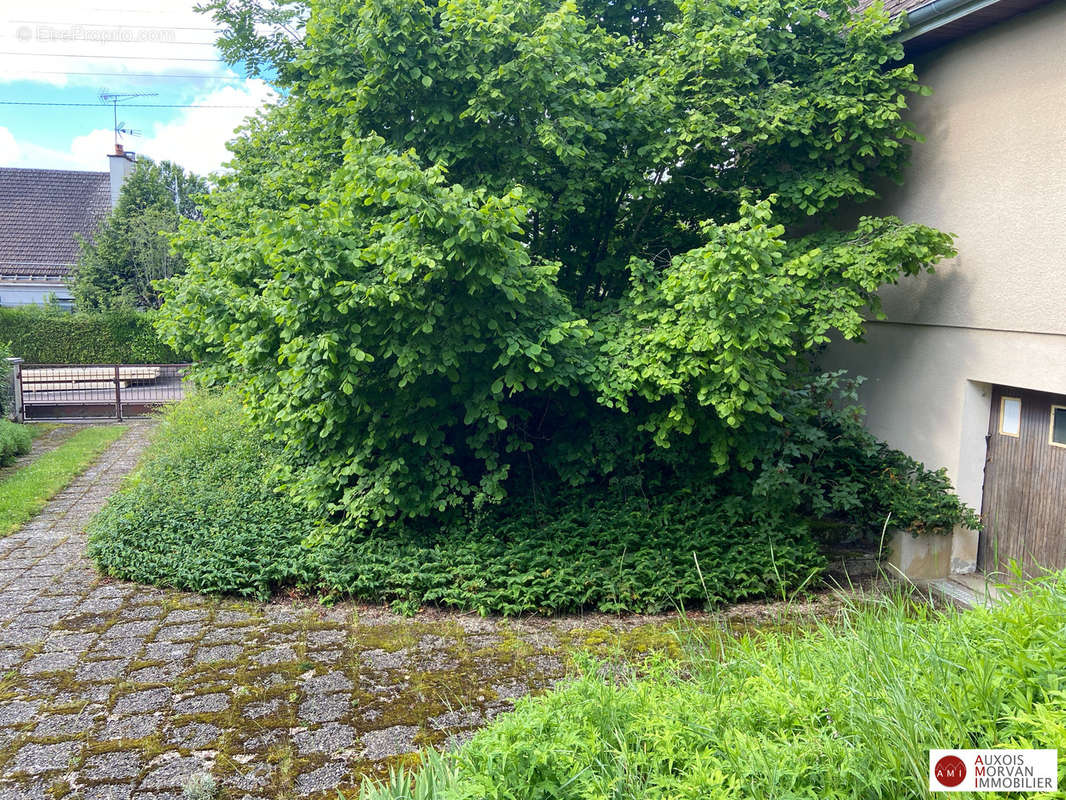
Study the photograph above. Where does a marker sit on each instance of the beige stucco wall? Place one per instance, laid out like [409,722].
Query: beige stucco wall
[993,171]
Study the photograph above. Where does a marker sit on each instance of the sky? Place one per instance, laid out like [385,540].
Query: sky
[69,51]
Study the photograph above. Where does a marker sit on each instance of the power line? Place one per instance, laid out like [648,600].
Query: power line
[124,105]
[148,41]
[134,75]
[111,26]
[122,11]
[98,55]
[128,41]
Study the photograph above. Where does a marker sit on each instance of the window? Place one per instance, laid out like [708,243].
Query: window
[1010,416]
[1058,426]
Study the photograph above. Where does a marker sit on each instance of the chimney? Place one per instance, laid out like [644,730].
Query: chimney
[122,164]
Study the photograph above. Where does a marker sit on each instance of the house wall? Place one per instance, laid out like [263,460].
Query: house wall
[33,292]
[928,388]
[993,171]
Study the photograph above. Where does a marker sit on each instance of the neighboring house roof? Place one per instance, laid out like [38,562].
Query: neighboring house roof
[41,210]
[894,7]
[931,23]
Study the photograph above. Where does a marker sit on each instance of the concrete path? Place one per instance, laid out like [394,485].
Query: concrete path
[110,690]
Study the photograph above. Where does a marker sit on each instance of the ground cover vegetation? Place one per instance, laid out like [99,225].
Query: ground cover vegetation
[845,710]
[207,510]
[50,335]
[500,280]
[29,488]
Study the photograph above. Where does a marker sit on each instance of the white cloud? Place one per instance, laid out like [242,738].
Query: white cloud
[197,139]
[51,38]
[9,148]
[86,152]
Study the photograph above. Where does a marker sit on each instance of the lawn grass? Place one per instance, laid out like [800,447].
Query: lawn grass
[25,492]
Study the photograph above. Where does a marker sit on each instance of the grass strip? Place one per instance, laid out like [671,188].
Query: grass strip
[25,492]
[39,429]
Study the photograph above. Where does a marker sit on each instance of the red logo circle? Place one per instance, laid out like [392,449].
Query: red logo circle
[949,771]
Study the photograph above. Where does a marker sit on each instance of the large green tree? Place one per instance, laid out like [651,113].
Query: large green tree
[481,244]
[131,249]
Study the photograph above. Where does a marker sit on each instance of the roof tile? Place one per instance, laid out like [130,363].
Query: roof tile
[40,212]
[893,7]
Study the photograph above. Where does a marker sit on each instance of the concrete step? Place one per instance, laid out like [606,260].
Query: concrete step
[966,591]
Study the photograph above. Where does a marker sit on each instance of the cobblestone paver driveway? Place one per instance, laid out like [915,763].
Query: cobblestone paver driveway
[110,690]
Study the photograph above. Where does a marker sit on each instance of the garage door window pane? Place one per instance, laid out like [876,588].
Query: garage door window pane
[1058,425]
[1010,417]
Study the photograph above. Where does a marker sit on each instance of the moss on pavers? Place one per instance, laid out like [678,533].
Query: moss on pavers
[284,700]
[306,700]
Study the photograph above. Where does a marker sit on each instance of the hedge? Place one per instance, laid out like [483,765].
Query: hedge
[47,336]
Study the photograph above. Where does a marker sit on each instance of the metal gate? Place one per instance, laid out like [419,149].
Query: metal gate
[1024,501]
[95,391]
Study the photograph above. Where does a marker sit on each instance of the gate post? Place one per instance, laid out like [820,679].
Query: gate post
[16,387]
[118,395]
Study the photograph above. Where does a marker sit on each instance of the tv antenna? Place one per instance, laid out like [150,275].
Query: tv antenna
[114,98]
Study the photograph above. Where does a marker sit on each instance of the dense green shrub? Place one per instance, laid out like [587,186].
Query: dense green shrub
[846,711]
[473,234]
[41,335]
[205,512]
[15,440]
[822,462]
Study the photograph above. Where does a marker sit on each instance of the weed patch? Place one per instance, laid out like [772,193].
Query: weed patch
[15,440]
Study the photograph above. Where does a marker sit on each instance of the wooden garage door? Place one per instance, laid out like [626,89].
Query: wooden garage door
[1024,503]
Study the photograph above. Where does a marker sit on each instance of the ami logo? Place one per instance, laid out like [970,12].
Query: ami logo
[998,770]
[949,771]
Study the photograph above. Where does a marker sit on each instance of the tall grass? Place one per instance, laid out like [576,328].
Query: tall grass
[846,710]
[15,441]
